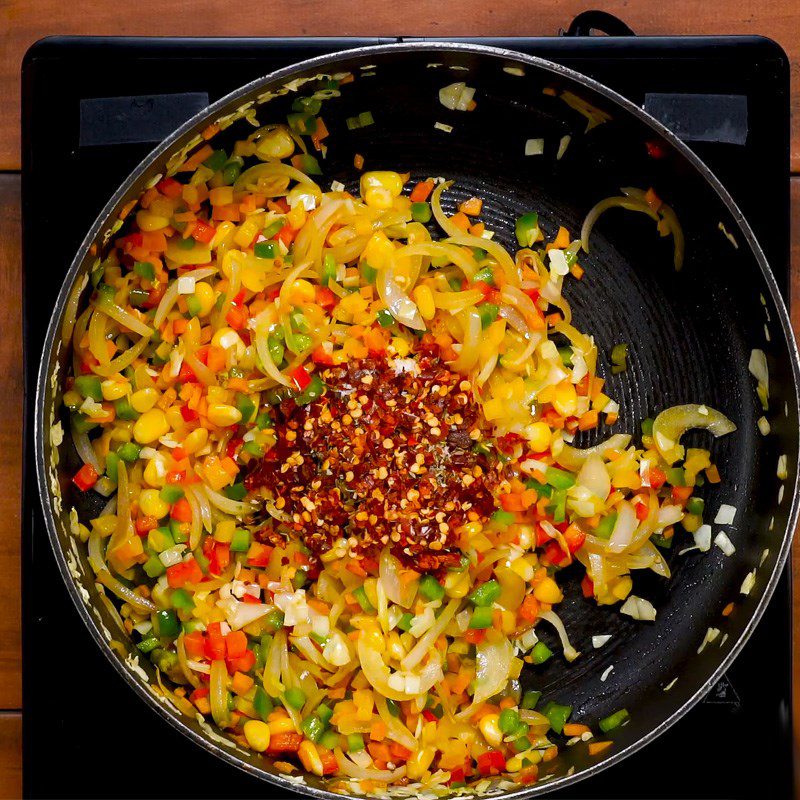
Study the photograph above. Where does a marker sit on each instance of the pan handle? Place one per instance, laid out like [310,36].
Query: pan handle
[596,20]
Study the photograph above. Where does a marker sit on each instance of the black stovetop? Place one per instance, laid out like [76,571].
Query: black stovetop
[92,108]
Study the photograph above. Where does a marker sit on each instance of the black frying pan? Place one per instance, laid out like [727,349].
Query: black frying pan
[690,335]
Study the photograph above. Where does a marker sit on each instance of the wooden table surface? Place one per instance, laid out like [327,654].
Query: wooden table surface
[22,22]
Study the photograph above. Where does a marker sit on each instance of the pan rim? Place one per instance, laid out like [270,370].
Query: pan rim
[327,61]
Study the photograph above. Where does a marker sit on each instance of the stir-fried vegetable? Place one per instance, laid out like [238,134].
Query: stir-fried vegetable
[338,455]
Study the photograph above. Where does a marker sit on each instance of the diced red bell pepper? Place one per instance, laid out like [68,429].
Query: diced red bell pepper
[145,524]
[214,649]
[474,636]
[534,294]
[219,558]
[657,477]
[491,762]
[194,644]
[300,377]
[485,289]
[154,295]
[169,187]
[199,693]
[176,476]
[85,477]
[322,356]
[243,663]
[554,554]
[680,494]
[429,715]
[286,235]
[203,232]
[328,759]
[456,776]
[184,572]
[258,554]
[542,536]
[574,538]
[642,510]
[237,318]
[325,297]
[181,510]
[587,586]
[236,644]
[284,743]
[186,374]
[655,149]
[282,205]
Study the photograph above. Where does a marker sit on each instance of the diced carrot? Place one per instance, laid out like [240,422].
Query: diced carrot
[595,748]
[471,207]
[712,473]
[529,610]
[575,729]
[421,192]
[241,683]
[461,221]
[589,420]
[358,161]
[477,229]
[378,731]
[728,610]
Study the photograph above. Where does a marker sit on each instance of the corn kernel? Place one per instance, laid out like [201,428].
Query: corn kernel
[223,415]
[382,179]
[175,418]
[420,761]
[301,292]
[247,231]
[310,758]
[151,504]
[514,764]
[548,592]
[565,399]
[153,476]
[281,725]
[144,399]
[196,440]
[489,726]
[223,338]
[114,389]
[151,425]
[225,530]
[205,297]
[378,198]
[148,221]
[539,437]
[257,734]
[401,346]
[424,299]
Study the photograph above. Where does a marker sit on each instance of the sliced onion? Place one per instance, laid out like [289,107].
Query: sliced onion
[188,673]
[638,608]
[573,458]
[98,564]
[612,202]
[235,508]
[423,646]
[396,731]
[389,576]
[468,356]
[399,304]
[365,773]
[85,450]
[377,672]
[122,361]
[672,423]
[218,696]
[594,476]
[570,653]
[492,668]
[623,528]
[121,316]
[458,236]
[170,297]
[263,322]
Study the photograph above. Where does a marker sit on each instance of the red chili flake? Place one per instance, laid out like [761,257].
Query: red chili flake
[383,457]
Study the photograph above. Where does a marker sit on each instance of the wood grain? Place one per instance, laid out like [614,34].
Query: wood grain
[22,22]
[10,755]
[10,440]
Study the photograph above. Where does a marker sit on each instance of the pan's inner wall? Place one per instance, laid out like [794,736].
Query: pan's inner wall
[689,333]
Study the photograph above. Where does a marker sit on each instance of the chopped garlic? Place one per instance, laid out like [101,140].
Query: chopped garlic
[724,543]
[725,515]
[599,641]
[186,285]
[534,147]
